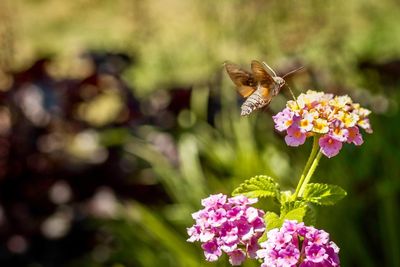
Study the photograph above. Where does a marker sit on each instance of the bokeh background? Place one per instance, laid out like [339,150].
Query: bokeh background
[116,118]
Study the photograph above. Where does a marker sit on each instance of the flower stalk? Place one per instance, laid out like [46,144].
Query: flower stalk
[310,173]
[311,159]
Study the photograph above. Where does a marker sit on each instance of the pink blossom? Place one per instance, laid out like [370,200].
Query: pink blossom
[228,225]
[295,136]
[283,248]
[306,123]
[354,136]
[338,131]
[211,250]
[283,119]
[329,146]
[236,257]
[316,254]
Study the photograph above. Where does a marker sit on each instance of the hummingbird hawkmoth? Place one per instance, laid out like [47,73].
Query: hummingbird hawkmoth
[257,86]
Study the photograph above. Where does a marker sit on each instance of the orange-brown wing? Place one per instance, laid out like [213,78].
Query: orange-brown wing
[266,83]
[244,80]
[261,75]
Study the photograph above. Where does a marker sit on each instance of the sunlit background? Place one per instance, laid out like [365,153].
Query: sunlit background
[116,118]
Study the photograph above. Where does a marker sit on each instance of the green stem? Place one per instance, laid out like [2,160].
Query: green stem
[313,153]
[310,173]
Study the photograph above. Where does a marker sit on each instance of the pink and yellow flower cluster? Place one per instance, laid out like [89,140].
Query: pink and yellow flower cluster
[335,118]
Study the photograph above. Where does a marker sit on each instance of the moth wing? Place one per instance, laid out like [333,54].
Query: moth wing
[244,80]
[261,75]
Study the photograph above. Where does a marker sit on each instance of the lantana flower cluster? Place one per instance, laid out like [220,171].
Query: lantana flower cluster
[337,119]
[228,225]
[295,244]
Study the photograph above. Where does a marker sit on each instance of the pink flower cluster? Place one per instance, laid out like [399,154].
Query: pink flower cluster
[337,119]
[295,244]
[228,225]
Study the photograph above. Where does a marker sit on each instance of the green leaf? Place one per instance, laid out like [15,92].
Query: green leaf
[258,186]
[323,194]
[272,220]
[300,211]
[293,210]
[285,196]
[291,205]
[296,210]
[296,214]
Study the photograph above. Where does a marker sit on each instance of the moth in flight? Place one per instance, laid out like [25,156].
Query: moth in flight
[257,86]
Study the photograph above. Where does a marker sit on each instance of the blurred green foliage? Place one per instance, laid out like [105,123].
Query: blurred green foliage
[184,43]
[179,42]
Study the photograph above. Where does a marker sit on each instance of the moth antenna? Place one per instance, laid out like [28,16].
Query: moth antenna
[292,71]
[270,68]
